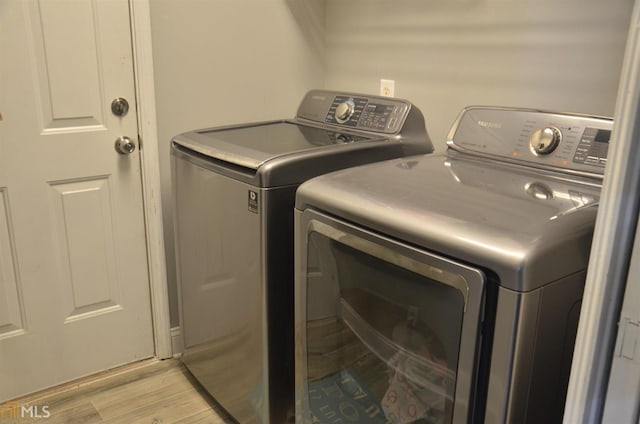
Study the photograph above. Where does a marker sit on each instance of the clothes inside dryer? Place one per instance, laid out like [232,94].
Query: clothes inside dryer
[395,330]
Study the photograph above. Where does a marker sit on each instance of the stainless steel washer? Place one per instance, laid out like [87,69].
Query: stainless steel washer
[234,196]
[447,288]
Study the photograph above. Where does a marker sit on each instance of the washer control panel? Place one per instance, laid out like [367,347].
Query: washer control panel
[570,142]
[356,111]
[366,113]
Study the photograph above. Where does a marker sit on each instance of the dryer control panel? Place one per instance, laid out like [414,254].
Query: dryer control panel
[567,142]
[359,112]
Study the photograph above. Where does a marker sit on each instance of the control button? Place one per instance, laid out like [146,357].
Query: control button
[392,122]
[603,161]
[344,111]
[592,160]
[545,140]
[399,110]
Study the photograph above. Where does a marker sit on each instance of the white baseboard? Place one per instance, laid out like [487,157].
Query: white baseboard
[177,343]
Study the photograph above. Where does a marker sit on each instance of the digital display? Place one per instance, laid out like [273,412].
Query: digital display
[374,108]
[602,136]
[593,147]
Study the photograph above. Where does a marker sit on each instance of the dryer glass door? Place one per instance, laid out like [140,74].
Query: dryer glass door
[391,331]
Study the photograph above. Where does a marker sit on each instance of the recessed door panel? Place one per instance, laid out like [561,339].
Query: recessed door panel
[84,224]
[67,64]
[11,306]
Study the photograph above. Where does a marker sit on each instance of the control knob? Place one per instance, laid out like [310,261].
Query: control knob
[344,111]
[545,140]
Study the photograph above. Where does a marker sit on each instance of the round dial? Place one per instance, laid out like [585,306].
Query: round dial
[545,140]
[344,111]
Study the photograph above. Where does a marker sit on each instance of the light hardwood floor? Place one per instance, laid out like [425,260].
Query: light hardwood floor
[149,392]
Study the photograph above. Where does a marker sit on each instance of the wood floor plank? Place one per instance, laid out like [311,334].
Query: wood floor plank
[162,411]
[59,400]
[118,405]
[140,392]
[204,417]
[83,413]
[158,392]
[97,382]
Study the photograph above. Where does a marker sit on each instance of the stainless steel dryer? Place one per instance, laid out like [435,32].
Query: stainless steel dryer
[234,197]
[447,288]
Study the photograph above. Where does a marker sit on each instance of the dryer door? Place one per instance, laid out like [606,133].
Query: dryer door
[384,332]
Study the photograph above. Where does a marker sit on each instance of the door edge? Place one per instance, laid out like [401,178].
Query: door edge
[140,17]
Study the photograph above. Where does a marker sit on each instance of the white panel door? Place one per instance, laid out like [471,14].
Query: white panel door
[74,288]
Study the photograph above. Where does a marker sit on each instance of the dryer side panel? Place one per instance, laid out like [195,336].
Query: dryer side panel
[532,350]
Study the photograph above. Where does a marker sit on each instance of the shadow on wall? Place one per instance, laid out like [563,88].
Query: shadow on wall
[226,62]
[310,17]
[445,55]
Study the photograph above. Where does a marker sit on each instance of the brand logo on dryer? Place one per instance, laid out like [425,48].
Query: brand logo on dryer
[490,124]
[252,202]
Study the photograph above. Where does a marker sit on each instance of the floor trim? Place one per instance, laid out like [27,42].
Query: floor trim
[84,381]
[177,342]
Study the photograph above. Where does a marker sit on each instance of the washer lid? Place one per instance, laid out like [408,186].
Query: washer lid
[251,146]
[528,226]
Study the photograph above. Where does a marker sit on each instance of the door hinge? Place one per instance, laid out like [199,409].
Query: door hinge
[629,345]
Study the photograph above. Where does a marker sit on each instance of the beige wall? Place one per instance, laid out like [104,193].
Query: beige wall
[229,61]
[446,54]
